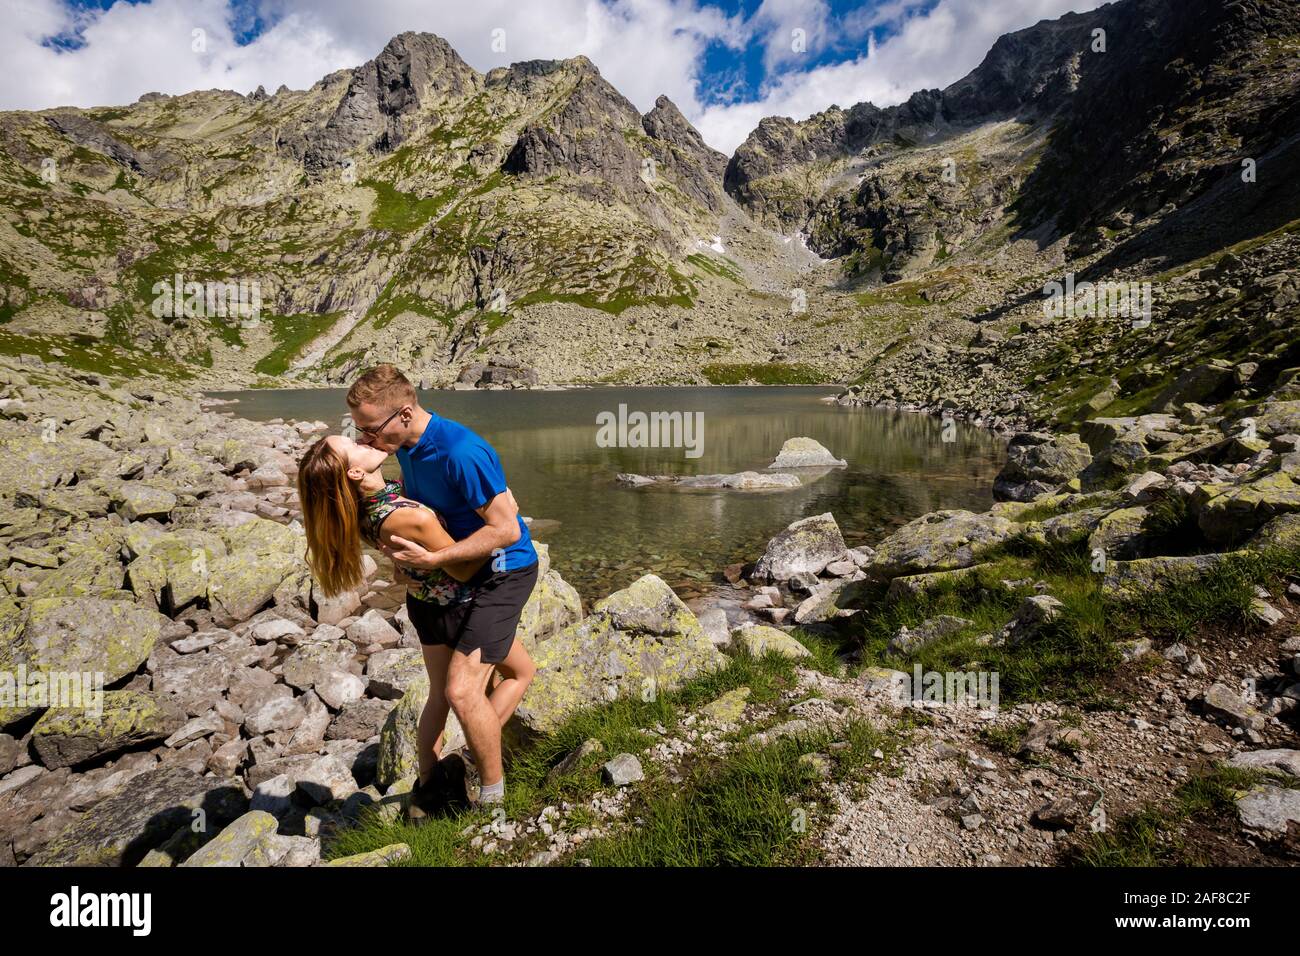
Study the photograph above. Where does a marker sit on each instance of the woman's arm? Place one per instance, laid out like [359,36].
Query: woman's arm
[423,527]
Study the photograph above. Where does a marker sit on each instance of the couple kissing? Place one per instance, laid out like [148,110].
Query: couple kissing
[452,529]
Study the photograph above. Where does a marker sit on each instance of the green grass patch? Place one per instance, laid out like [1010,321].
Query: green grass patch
[619,725]
[1156,835]
[291,334]
[1221,597]
[396,211]
[745,811]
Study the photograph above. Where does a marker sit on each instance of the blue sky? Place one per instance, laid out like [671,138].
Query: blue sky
[725,63]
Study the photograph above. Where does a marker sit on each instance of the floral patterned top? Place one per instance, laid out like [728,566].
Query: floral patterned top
[436,586]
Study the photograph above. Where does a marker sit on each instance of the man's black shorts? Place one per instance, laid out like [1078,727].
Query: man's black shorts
[487,621]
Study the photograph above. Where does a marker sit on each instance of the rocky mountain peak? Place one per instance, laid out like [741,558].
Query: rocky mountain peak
[665,122]
[386,96]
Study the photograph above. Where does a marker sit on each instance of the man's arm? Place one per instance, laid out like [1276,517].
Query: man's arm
[500,531]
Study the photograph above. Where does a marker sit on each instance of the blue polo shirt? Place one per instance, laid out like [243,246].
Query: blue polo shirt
[453,471]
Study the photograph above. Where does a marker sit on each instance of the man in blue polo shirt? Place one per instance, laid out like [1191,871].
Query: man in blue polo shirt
[456,473]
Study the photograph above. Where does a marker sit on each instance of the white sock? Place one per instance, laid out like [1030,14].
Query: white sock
[492,793]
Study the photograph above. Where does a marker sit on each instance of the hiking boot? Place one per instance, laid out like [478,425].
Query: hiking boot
[427,799]
[452,787]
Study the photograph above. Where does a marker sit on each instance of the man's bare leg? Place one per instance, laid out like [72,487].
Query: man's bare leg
[433,719]
[467,681]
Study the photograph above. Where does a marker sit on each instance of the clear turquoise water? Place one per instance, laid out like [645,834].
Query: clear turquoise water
[604,535]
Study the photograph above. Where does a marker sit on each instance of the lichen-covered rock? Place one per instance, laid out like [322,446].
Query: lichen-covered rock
[1130,580]
[1230,705]
[805,547]
[1280,532]
[88,635]
[1034,612]
[553,605]
[1118,535]
[31,463]
[172,571]
[399,757]
[261,534]
[728,708]
[642,636]
[88,574]
[68,736]
[243,582]
[909,640]
[939,541]
[805,453]
[394,671]
[1226,514]
[915,585]
[1065,528]
[1037,463]
[245,842]
[758,639]
[384,856]
[136,501]
[1196,384]
[121,829]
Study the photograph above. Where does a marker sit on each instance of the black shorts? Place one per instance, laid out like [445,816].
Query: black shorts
[486,622]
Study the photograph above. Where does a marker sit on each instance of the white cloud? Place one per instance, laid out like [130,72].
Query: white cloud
[643,47]
[929,50]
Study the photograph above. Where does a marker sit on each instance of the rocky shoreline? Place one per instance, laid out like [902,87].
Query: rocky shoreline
[156,541]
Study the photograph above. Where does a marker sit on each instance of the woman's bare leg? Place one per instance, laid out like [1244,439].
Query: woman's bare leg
[516,673]
[433,719]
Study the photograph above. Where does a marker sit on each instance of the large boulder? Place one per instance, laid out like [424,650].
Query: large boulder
[88,574]
[31,463]
[1270,810]
[135,501]
[80,635]
[1201,384]
[640,638]
[805,453]
[172,571]
[69,736]
[1130,580]
[399,757]
[1037,463]
[248,841]
[553,605]
[1118,535]
[242,583]
[1281,532]
[939,541]
[805,547]
[1226,514]
[121,829]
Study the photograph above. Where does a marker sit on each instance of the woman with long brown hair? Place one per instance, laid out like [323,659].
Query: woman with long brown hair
[346,500]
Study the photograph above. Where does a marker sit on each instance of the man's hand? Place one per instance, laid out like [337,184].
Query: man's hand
[404,552]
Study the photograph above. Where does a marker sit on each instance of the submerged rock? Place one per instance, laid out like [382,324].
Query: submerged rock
[740,481]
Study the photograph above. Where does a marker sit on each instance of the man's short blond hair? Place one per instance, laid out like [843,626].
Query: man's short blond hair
[383,385]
